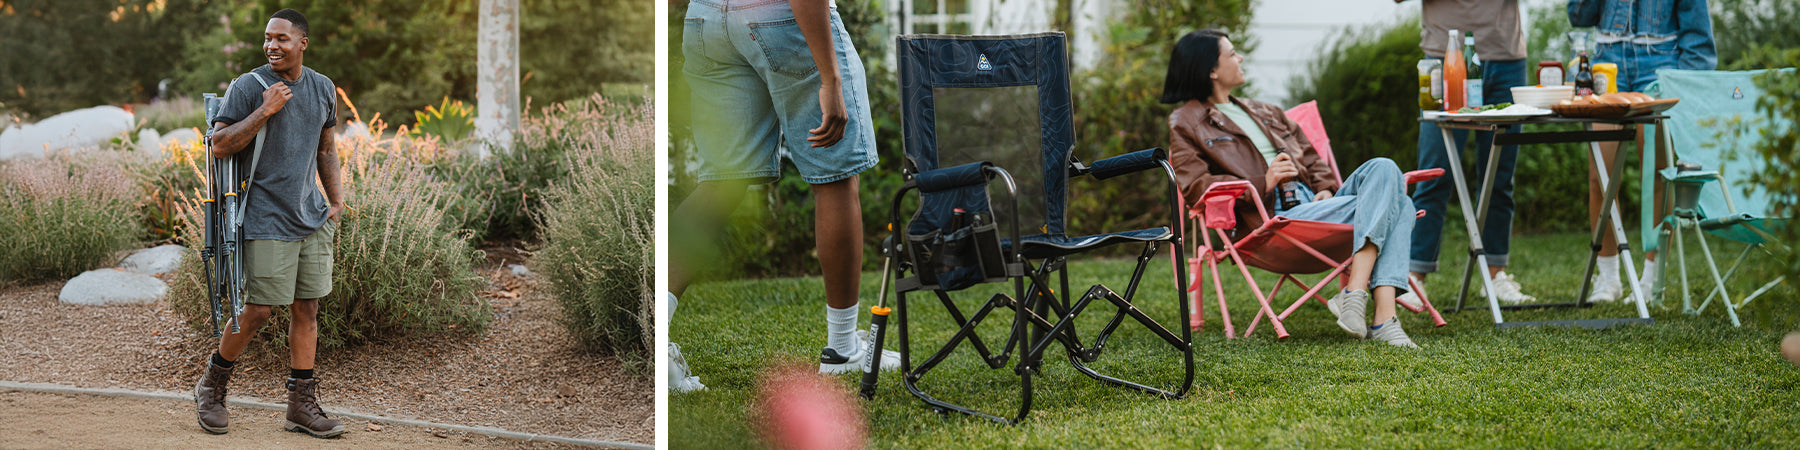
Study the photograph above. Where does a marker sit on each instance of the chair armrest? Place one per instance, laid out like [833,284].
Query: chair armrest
[1218,204]
[1423,174]
[1127,163]
[952,177]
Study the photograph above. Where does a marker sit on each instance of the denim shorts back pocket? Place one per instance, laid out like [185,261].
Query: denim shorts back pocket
[693,44]
[784,47]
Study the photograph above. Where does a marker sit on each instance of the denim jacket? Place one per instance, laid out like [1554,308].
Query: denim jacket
[1686,20]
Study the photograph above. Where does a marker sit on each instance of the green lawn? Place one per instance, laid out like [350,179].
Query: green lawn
[1684,382]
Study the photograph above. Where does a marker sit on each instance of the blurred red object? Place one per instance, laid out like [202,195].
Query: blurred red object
[803,410]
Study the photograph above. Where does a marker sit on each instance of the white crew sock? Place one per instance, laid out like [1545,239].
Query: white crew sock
[1609,267]
[670,314]
[840,330]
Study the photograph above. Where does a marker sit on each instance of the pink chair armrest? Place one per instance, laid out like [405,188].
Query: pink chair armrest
[1423,174]
[1219,201]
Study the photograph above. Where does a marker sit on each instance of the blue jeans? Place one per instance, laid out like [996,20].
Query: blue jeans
[1637,62]
[1433,196]
[1373,200]
[755,94]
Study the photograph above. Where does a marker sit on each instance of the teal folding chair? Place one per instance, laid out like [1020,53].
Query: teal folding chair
[1709,184]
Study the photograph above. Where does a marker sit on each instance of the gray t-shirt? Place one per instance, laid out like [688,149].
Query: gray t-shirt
[285,202]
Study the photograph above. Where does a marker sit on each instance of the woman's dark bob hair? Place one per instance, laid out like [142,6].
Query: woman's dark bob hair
[1194,58]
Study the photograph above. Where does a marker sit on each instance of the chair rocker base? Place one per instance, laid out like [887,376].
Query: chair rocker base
[1033,334]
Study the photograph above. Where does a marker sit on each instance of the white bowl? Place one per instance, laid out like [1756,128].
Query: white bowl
[1542,96]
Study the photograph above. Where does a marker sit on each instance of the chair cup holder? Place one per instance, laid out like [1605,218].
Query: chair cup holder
[959,258]
[1687,198]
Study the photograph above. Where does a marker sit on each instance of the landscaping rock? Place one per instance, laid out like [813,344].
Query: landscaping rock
[149,141]
[156,260]
[519,271]
[76,129]
[112,287]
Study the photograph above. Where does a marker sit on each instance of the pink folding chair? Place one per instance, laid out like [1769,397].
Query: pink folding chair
[1281,245]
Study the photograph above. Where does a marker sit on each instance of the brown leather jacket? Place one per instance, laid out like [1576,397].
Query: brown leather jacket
[1205,148]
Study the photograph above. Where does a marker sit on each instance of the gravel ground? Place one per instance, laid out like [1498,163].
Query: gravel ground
[525,373]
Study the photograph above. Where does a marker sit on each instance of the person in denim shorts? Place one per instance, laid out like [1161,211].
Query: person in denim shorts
[1640,36]
[773,79]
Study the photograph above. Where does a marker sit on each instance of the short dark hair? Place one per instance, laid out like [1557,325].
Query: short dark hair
[1194,58]
[294,17]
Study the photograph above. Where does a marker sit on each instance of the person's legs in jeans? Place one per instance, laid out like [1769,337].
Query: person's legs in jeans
[1374,201]
[1433,196]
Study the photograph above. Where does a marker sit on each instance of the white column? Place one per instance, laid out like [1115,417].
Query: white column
[497,72]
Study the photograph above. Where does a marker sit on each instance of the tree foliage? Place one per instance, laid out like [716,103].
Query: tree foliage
[57,55]
[391,56]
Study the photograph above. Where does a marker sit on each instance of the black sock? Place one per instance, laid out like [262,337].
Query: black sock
[300,374]
[221,361]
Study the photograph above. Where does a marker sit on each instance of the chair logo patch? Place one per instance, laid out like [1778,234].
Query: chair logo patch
[983,63]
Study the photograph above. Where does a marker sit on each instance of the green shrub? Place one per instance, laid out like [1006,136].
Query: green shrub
[63,215]
[180,171]
[400,267]
[449,122]
[598,226]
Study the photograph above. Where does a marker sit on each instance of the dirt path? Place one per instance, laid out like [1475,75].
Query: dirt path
[524,374]
[40,420]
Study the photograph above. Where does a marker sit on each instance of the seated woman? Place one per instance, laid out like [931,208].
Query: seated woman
[1215,137]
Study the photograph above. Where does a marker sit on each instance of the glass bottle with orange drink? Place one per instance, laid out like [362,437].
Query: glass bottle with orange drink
[1455,73]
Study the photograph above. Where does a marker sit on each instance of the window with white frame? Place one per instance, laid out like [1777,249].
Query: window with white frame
[937,16]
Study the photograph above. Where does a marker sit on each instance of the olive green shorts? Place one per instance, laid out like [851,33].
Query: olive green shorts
[277,272]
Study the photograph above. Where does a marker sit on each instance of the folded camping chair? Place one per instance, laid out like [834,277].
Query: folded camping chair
[227,197]
[1281,245]
[979,109]
[1737,209]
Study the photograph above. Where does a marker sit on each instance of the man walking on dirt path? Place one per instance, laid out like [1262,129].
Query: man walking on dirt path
[288,224]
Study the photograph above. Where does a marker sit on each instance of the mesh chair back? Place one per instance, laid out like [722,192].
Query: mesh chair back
[1710,100]
[1000,99]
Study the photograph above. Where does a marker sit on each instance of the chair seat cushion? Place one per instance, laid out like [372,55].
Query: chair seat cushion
[1266,249]
[1039,246]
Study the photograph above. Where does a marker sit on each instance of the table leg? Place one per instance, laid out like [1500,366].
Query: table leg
[1611,222]
[1470,222]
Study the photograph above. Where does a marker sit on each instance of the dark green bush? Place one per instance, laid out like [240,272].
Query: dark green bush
[63,215]
[599,247]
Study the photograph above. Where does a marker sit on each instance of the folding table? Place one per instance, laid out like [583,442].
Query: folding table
[1474,217]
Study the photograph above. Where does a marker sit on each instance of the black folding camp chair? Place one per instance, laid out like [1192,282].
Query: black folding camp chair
[983,108]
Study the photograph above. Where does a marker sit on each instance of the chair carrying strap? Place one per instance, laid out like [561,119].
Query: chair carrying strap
[256,154]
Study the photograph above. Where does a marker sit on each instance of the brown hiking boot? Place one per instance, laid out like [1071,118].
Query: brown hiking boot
[209,399]
[304,415]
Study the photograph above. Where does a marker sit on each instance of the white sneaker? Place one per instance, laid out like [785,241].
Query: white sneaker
[679,380]
[1606,289]
[1647,284]
[831,362]
[1391,333]
[1508,289]
[1411,299]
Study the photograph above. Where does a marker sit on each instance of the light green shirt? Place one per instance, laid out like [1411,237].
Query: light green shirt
[1236,115]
